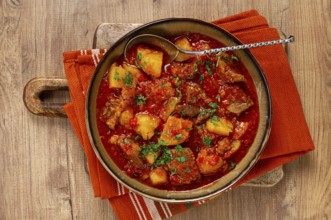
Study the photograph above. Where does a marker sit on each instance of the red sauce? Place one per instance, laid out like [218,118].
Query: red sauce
[217,89]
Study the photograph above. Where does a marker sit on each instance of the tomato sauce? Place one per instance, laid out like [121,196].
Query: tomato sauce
[218,89]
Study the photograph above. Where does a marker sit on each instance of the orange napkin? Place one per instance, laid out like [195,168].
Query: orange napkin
[289,137]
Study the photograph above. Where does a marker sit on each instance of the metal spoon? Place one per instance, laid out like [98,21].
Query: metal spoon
[179,54]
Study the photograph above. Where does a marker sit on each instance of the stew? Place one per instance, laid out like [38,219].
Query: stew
[181,125]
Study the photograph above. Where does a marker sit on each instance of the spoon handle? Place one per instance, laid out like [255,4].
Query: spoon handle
[246,46]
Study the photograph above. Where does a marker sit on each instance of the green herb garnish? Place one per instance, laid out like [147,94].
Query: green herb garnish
[116,76]
[137,138]
[218,98]
[201,78]
[233,57]
[140,99]
[127,141]
[128,79]
[179,93]
[187,169]
[213,105]
[218,60]
[179,137]
[179,149]
[138,59]
[232,165]
[215,118]
[207,141]
[182,159]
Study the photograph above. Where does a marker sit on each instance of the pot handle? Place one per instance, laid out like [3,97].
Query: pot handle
[32,96]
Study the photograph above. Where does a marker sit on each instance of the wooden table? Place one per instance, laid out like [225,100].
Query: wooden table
[42,167]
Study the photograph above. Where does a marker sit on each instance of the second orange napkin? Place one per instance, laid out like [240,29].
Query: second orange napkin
[289,137]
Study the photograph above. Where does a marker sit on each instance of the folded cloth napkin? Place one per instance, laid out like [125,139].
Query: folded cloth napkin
[288,140]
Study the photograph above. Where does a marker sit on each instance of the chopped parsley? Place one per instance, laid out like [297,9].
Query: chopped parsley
[182,159]
[179,137]
[137,138]
[128,79]
[178,82]
[204,111]
[233,57]
[180,95]
[173,171]
[140,99]
[213,105]
[138,59]
[207,66]
[165,158]
[218,60]
[165,102]
[218,98]
[187,169]
[232,165]
[225,58]
[127,141]
[207,140]
[179,149]
[116,76]
[196,68]
[215,118]
[201,78]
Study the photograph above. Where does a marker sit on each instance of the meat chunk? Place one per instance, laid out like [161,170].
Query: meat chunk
[187,110]
[125,118]
[240,106]
[176,131]
[209,161]
[183,167]
[235,98]
[182,70]
[240,129]
[130,149]
[111,112]
[229,74]
[227,147]
[194,93]
[160,89]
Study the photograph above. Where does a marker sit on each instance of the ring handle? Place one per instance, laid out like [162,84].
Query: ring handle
[32,96]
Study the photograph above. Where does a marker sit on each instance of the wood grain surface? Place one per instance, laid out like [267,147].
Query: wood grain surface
[42,166]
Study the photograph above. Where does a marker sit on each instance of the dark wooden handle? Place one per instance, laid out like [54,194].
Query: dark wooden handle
[32,96]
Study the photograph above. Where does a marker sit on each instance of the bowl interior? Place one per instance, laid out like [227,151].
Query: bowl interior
[173,27]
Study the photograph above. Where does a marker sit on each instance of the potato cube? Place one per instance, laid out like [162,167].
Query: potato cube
[209,162]
[116,73]
[132,69]
[169,108]
[150,61]
[184,44]
[176,131]
[151,157]
[125,117]
[158,176]
[146,124]
[221,126]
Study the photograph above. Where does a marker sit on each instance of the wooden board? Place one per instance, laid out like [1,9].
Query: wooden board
[42,166]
